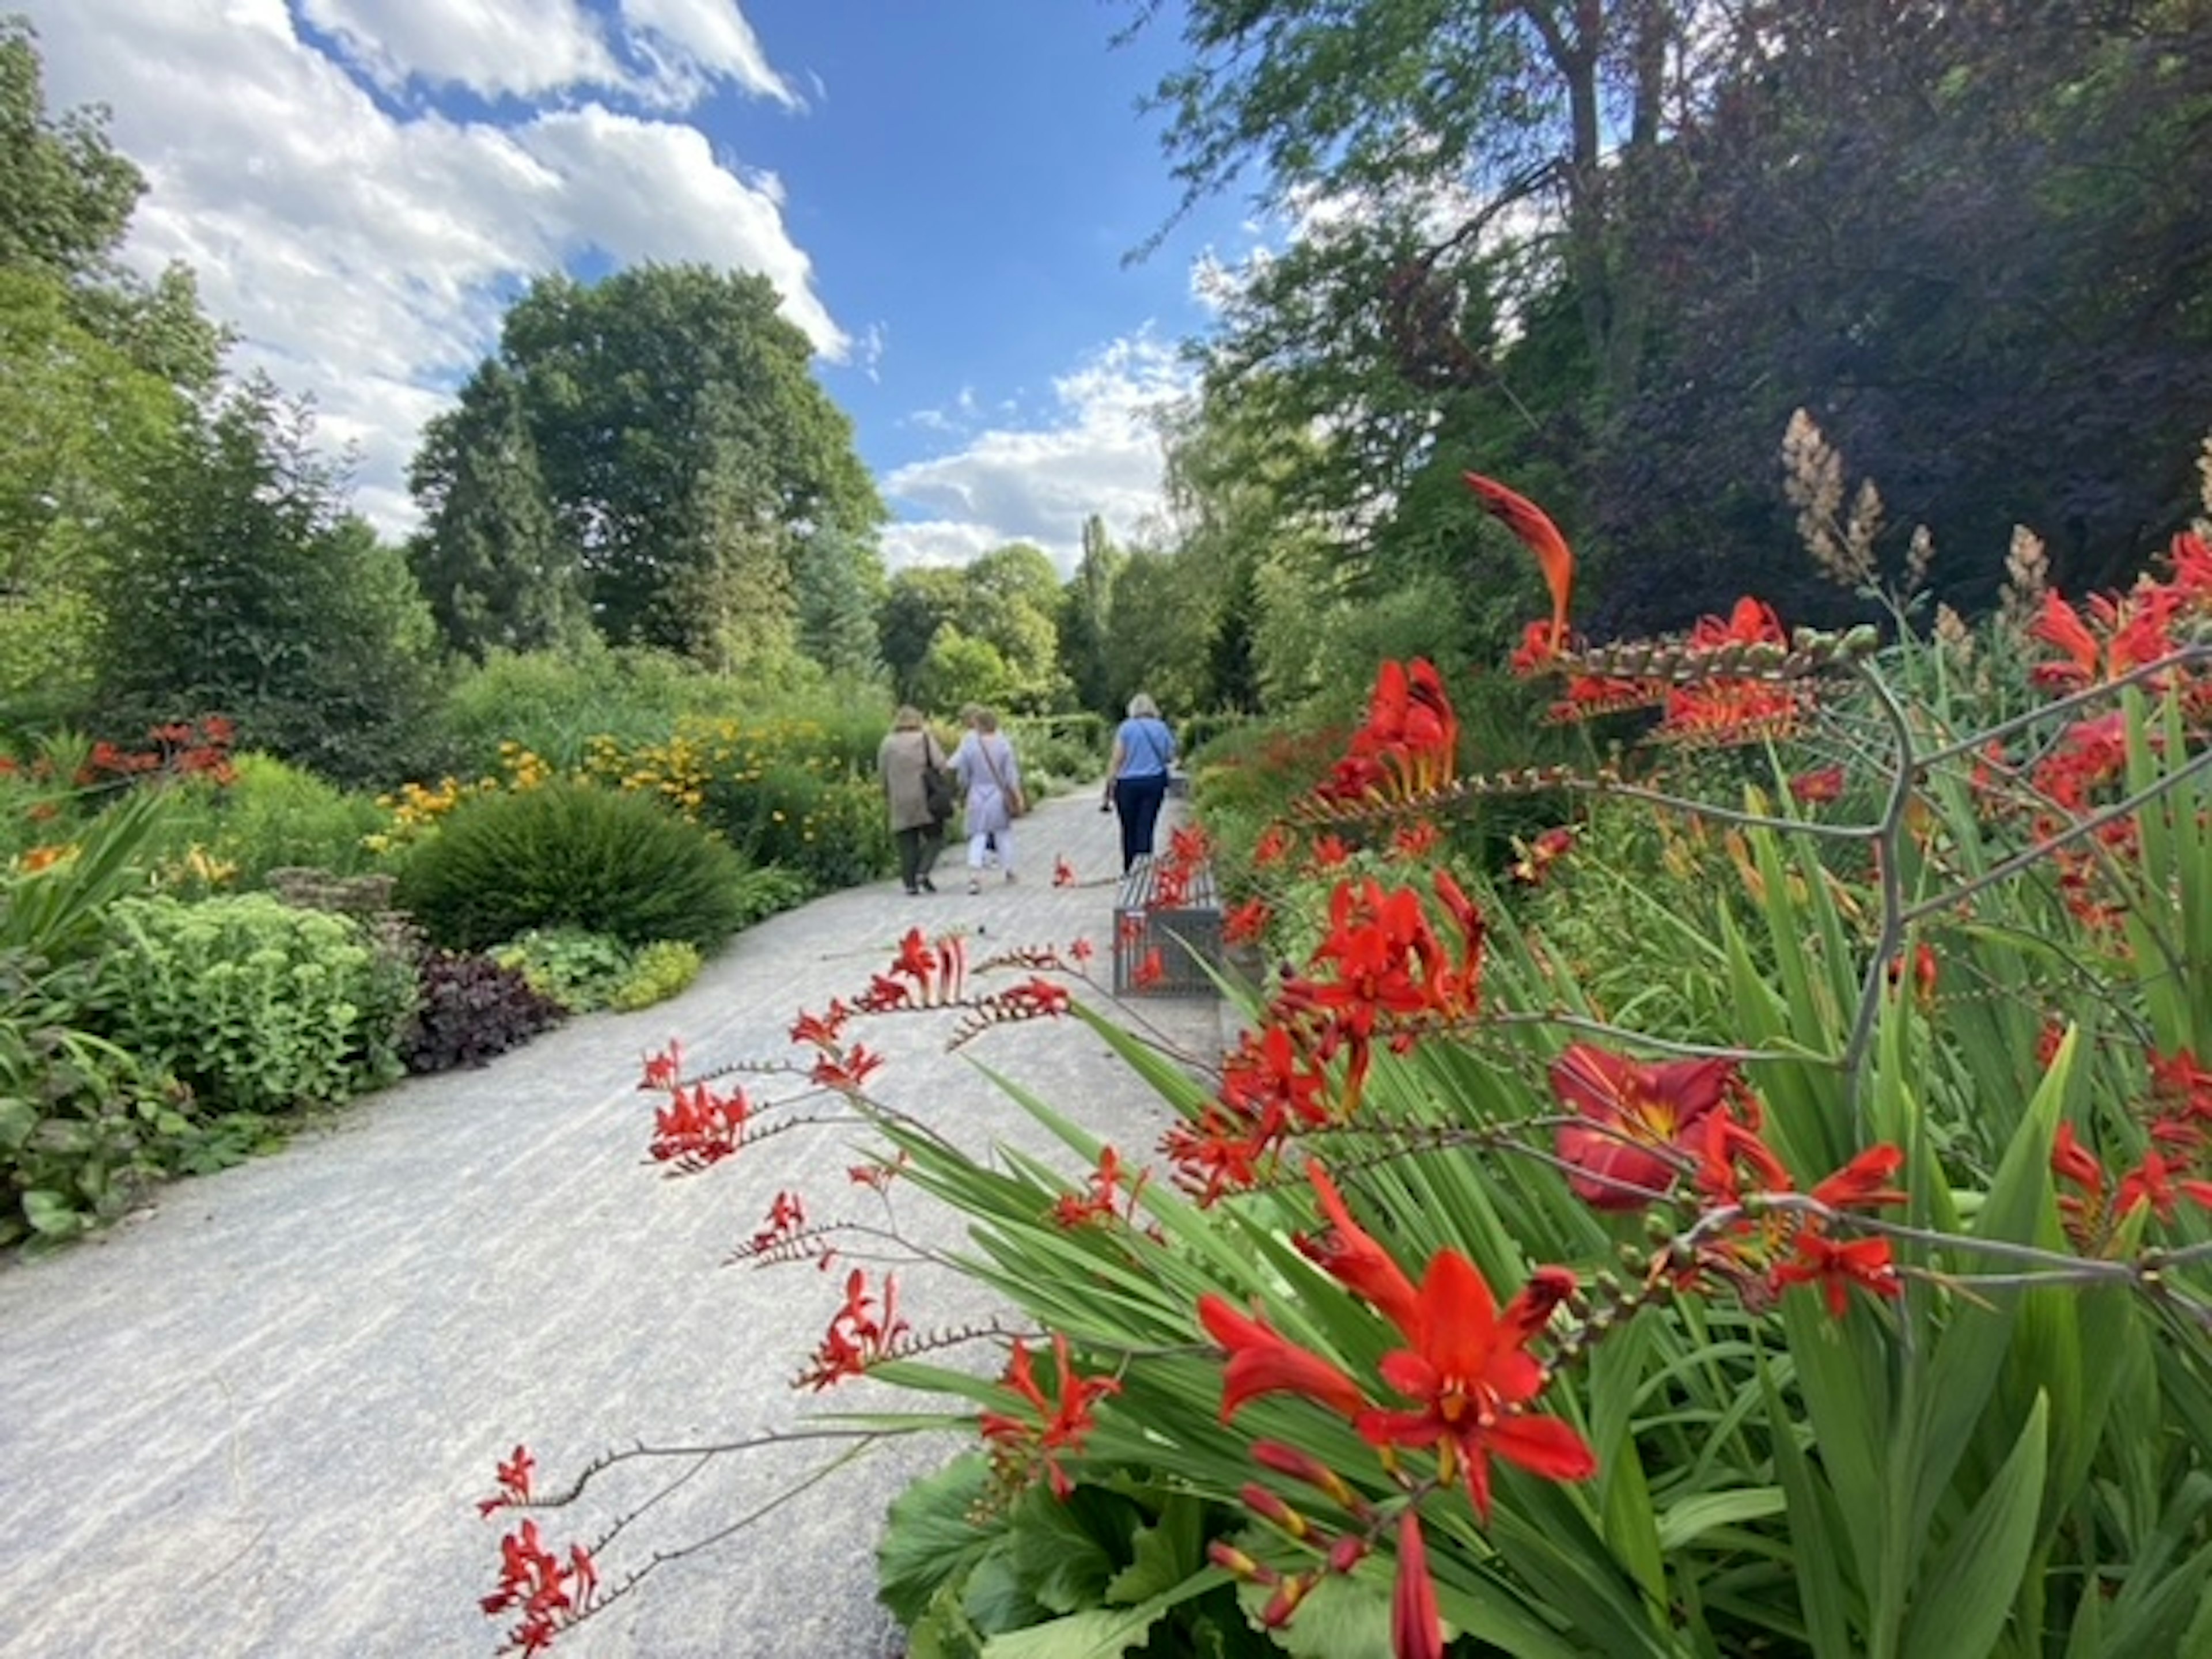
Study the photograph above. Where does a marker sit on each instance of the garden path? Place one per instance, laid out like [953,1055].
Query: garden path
[251,1420]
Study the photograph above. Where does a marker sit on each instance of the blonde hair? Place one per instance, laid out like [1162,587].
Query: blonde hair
[908,719]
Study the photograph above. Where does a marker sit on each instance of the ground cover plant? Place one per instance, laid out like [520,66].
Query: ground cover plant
[1810,1257]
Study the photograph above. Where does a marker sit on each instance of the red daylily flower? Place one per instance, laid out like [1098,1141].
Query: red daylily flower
[1642,1121]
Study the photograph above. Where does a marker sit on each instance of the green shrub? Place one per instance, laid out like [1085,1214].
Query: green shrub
[553,704]
[762,892]
[253,1005]
[272,816]
[578,969]
[662,969]
[569,854]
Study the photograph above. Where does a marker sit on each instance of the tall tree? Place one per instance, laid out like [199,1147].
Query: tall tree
[490,557]
[686,451]
[1970,239]
[1449,116]
[839,579]
[96,370]
[921,600]
[1084,619]
[242,587]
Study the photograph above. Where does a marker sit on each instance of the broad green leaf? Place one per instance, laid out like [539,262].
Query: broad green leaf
[1166,1552]
[1342,1618]
[1963,1599]
[931,1539]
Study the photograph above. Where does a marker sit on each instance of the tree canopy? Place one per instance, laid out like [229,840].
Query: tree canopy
[685,456]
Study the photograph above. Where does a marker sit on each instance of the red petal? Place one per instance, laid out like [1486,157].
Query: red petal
[1545,1446]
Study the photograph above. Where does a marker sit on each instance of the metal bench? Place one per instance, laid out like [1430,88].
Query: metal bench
[1185,929]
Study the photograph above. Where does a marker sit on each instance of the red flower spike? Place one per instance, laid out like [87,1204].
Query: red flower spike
[1541,537]
[1261,1362]
[1470,1377]
[1063,873]
[1417,1629]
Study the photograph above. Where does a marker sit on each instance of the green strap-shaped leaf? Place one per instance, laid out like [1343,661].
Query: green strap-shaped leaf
[1964,1599]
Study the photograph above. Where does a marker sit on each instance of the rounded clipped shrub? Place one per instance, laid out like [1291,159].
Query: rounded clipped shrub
[569,854]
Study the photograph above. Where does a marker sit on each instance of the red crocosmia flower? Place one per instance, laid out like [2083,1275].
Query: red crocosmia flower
[2153,1181]
[786,1216]
[823,1030]
[1417,1631]
[859,1334]
[1816,788]
[1246,923]
[1355,1261]
[1061,1424]
[1858,1184]
[1415,841]
[1541,854]
[1271,848]
[1261,1361]
[1151,971]
[1641,1121]
[2179,1079]
[1835,1268]
[1924,972]
[513,1479]
[664,1069]
[1063,873]
[1330,851]
[1541,537]
[1471,1377]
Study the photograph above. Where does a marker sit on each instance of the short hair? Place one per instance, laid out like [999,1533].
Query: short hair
[987,719]
[1142,708]
[909,719]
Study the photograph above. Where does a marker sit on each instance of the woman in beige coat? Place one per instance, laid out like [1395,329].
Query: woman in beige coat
[907,750]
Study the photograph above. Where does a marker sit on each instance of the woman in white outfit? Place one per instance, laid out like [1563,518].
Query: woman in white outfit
[991,773]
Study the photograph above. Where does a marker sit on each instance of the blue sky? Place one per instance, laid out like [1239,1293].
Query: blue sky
[942,191]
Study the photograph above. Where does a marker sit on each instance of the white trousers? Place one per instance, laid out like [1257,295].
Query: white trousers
[1005,838]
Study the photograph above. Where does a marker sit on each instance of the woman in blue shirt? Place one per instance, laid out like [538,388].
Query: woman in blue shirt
[1137,777]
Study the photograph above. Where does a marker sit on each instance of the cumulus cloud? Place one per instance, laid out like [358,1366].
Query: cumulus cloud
[666,53]
[365,257]
[1096,450]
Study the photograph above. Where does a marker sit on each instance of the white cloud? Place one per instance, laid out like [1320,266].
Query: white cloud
[705,37]
[490,46]
[667,53]
[366,258]
[1099,452]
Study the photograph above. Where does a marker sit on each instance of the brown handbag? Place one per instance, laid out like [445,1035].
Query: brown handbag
[1016,803]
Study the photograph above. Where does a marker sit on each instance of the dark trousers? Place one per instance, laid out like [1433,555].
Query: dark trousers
[1138,800]
[918,850]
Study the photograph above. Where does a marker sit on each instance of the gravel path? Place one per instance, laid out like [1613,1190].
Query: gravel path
[252,1420]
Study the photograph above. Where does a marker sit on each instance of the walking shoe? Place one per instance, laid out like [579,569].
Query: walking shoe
[928,885]
[975,883]
[1010,878]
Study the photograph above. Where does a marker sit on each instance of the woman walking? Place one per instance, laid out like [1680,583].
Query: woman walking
[907,756]
[1137,776]
[992,774]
